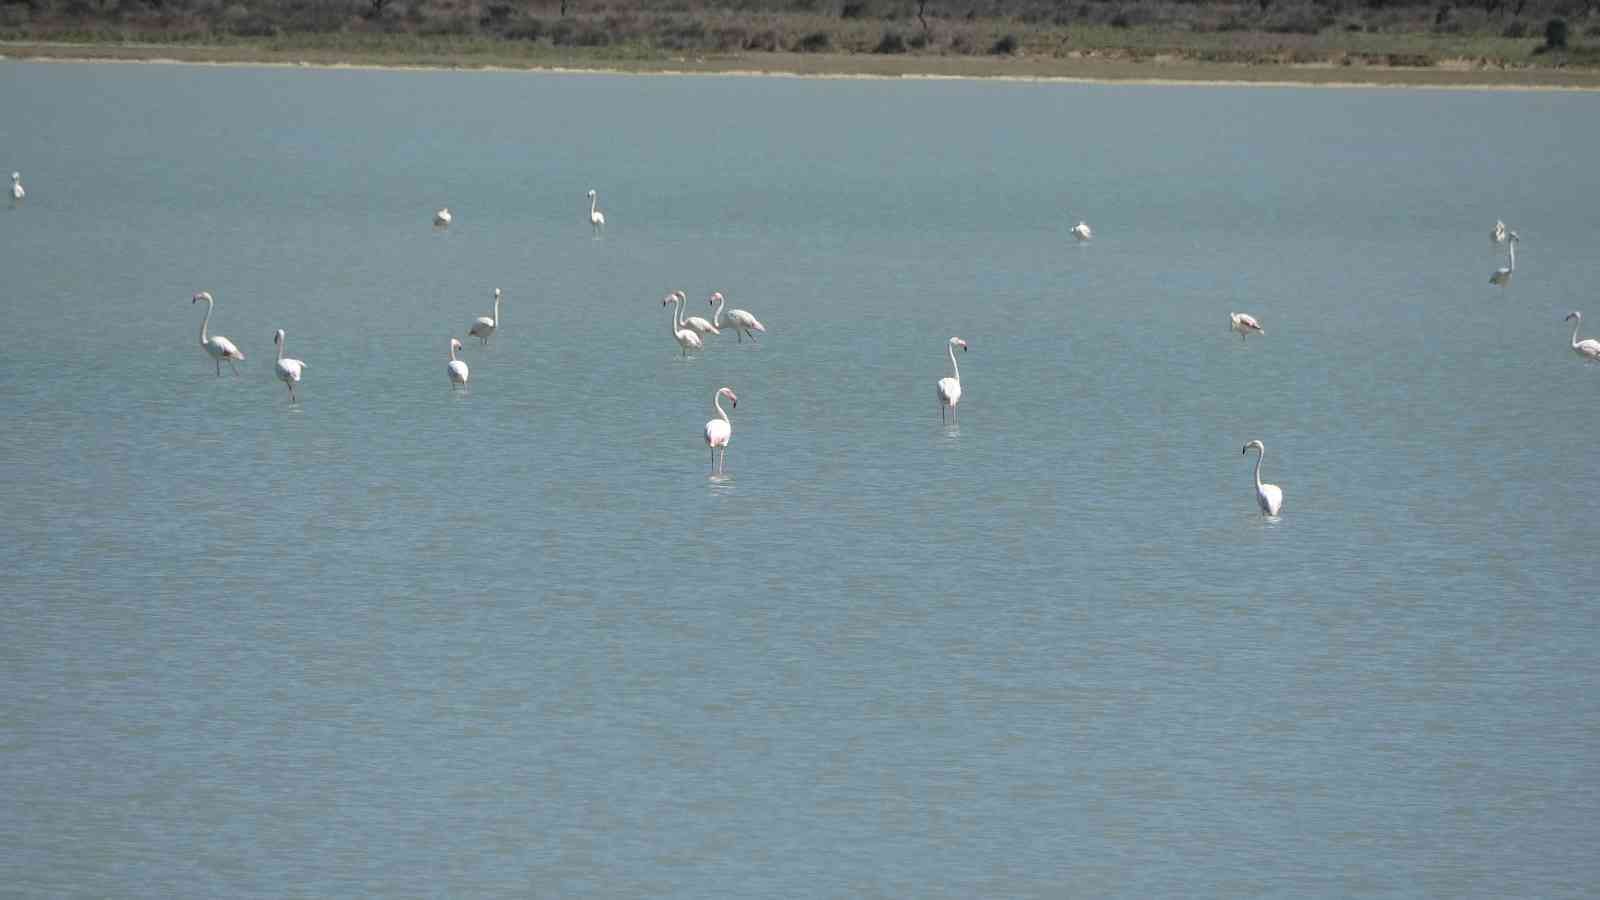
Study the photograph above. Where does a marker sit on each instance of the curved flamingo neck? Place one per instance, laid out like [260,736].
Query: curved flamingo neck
[281,342]
[452,352]
[716,403]
[716,317]
[204,322]
[1263,455]
[593,202]
[1576,324]
[672,324]
[1512,249]
[956,368]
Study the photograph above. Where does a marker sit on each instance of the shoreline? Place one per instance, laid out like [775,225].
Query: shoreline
[1168,71]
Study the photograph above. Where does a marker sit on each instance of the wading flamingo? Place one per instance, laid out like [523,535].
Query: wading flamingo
[950,388]
[1502,275]
[740,320]
[17,193]
[1245,324]
[686,338]
[483,327]
[1268,496]
[596,217]
[1082,231]
[699,325]
[1588,348]
[289,370]
[441,219]
[718,430]
[217,346]
[456,368]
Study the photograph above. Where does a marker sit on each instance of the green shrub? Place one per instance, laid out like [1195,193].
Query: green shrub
[1006,46]
[856,9]
[891,42]
[815,42]
[1555,34]
[767,41]
[1515,30]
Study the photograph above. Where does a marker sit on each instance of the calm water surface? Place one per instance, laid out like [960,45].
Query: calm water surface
[397,641]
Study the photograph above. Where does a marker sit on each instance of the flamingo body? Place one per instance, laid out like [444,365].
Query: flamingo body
[742,322]
[219,348]
[597,219]
[483,327]
[697,324]
[686,338]
[1498,233]
[17,193]
[1245,324]
[1082,231]
[1268,496]
[456,369]
[288,370]
[442,218]
[949,389]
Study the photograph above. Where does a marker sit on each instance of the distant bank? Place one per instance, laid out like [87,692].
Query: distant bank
[1098,66]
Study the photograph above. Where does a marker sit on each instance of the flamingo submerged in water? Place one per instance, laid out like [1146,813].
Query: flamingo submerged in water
[698,324]
[719,430]
[483,327]
[216,346]
[1268,496]
[1082,231]
[686,338]
[741,321]
[1588,348]
[950,388]
[456,369]
[289,370]
[597,219]
[441,219]
[1245,324]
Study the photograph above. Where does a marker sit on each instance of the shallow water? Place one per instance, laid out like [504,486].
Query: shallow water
[396,640]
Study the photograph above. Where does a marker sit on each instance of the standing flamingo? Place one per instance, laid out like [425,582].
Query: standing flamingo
[1502,275]
[289,370]
[1245,324]
[1082,231]
[950,388]
[700,326]
[483,327]
[742,322]
[441,219]
[1588,348]
[456,368]
[1268,496]
[685,337]
[219,347]
[718,430]
[17,193]
[596,217]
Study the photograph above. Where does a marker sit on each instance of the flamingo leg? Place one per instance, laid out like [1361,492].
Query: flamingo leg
[753,336]
[233,367]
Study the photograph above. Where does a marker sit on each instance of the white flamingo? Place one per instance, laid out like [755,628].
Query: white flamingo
[1588,348]
[217,346]
[718,430]
[441,219]
[1498,235]
[1502,275]
[596,217]
[1245,324]
[700,326]
[289,370]
[483,327]
[456,368]
[1082,231]
[685,337]
[17,193]
[1268,496]
[950,388]
[740,320]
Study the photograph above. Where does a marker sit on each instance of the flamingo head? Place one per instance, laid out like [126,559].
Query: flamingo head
[278,338]
[681,296]
[455,344]
[958,342]
[728,392]
[16,176]
[716,296]
[1574,315]
[591,192]
[203,295]
[670,298]
[497,293]
[1256,444]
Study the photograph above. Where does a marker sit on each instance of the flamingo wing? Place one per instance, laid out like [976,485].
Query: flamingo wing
[746,320]
[950,391]
[717,433]
[1271,498]
[482,326]
[225,348]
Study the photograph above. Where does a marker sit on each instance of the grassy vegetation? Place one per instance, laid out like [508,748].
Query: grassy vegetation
[1493,41]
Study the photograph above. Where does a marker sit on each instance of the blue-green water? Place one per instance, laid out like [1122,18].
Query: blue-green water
[399,641]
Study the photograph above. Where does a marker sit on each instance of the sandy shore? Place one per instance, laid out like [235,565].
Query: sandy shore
[1088,69]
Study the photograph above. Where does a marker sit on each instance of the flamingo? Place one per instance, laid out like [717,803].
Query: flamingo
[1502,275]
[219,347]
[1245,324]
[1588,348]
[596,217]
[289,370]
[483,327]
[456,368]
[950,388]
[718,430]
[701,326]
[1082,231]
[441,219]
[1498,235]
[685,337]
[743,323]
[17,193]
[1268,496]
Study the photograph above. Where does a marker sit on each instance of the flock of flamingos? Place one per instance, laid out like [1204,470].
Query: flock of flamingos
[690,333]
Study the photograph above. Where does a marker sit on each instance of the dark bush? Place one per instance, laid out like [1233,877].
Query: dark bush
[592,35]
[495,16]
[919,40]
[891,42]
[1297,23]
[767,41]
[1515,30]
[1555,34]
[815,42]
[853,10]
[731,38]
[1006,46]
[1121,20]
[562,31]
[525,30]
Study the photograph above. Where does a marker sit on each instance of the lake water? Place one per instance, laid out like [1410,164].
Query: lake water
[403,641]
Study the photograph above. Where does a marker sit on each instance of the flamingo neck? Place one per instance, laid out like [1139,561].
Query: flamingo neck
[593,202]
[204,322]
[1513,252]
[716,403]
[497,310]
[281,342]
[1576,324]
[672,324]
[1263,455]
[716,317]
[452,352]
[956,368]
